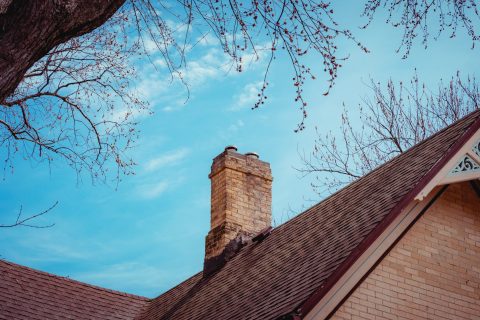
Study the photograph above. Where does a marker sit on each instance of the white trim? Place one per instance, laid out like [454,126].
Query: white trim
[443,177]
[368,259]
[474,156]
[466,176]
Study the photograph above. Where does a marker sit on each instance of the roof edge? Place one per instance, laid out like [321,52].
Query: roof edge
[320,292]
[350,184]
[120,293]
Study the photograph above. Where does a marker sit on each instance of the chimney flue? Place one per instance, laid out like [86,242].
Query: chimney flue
[241,199]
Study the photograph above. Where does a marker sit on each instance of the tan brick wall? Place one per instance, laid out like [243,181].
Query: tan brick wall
[241,199]
[433,272]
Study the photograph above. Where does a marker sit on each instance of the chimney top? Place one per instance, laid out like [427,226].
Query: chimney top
[252,155]
[231,148]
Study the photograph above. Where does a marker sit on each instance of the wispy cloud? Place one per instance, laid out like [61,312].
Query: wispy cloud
[154,85]
[207,40]
[154,182]
[130,276]
[231,130]
[247,97]
[205,62]
[123,113]
[152,190]
[234,127]
[168,159]
[51,246]
[211,64]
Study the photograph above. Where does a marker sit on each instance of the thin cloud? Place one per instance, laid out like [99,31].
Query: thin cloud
[207,40]
[231,130]
[206,62]
[247,97]
[123,113]
[152,190]
[168,159]
[129,276]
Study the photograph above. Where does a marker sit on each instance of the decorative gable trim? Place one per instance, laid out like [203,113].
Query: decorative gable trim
[476,149]
[466,164]
[463,166]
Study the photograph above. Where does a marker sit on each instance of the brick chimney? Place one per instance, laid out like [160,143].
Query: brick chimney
[241,199]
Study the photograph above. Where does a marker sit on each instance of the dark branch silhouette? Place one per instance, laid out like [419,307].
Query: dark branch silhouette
[427,19]
[66,68]
[23,221]
[394,118]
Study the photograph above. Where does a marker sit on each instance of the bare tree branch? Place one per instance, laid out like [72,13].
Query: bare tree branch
[76,103]
[393,119]
[419,17]
[67,67]
[26,221]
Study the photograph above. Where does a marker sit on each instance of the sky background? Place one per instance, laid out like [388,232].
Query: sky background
[148,234]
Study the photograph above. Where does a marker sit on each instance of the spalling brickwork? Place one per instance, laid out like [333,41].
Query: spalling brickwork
[433,272]
[241,198]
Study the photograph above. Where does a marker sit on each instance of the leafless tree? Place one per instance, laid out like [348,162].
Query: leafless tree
[420,17]
[75,103]
[394,118]
[65,64]
[65,87]
[294,28]
[66,70]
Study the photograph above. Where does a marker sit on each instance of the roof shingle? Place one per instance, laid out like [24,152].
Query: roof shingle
[35,295]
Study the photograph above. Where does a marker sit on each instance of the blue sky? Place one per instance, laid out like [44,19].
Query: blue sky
[148,234]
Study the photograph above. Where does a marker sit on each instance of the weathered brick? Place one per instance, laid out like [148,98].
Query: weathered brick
[241,199]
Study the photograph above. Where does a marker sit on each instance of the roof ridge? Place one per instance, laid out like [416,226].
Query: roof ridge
[464,118]
[179,284]
[67,279]
[415,146]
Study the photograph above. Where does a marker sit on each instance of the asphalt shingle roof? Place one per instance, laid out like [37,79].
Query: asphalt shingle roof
[35,295]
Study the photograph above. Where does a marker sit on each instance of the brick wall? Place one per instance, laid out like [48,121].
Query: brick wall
[433,272]
[241,199]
